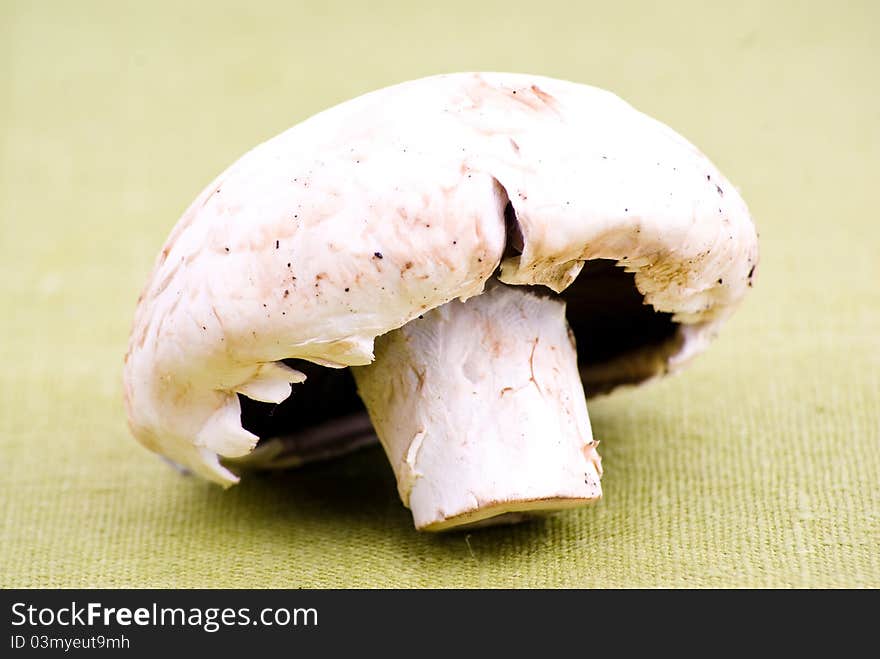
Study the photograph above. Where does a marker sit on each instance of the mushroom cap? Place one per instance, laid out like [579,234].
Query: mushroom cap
[364,216]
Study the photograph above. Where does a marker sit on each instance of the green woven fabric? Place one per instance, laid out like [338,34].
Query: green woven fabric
[758,466]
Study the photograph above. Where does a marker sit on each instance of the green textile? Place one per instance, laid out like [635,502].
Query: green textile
[757,466]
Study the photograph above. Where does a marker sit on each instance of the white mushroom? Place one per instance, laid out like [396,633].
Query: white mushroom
[387,216]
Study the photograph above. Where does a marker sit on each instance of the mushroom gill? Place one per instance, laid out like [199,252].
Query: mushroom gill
[612,325]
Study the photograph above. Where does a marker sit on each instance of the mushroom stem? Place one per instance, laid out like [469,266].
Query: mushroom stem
[482,413]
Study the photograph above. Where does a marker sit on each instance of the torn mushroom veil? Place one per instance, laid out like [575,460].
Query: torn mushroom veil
[431,235]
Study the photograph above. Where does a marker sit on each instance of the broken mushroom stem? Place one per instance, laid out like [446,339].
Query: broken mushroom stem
[481,411]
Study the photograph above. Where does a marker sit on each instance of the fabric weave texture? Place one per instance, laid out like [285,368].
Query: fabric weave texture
[757,466]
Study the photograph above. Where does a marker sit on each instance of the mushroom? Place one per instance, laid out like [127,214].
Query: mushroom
[451,238]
